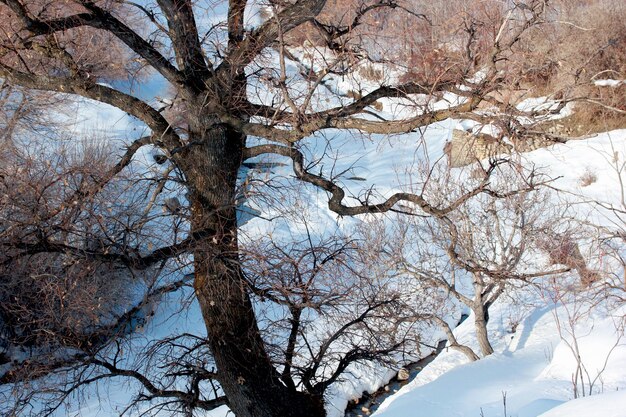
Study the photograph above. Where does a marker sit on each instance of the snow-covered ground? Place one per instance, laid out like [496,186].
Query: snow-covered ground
[529,374]
[532,368]
[532,371]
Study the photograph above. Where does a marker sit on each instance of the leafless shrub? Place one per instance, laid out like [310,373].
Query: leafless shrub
[63,282]
[563,249]
[573,311]
[472,255]
[602,110]
[371,73]
[587,178]
[69,291]
[324,302]
[583,38]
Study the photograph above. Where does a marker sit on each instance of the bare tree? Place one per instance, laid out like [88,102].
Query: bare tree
[355,315]
[475,253]
[52,46]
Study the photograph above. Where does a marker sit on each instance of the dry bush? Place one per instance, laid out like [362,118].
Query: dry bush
[25,112]
[455,37]
[58,287]
[371,73]
[59,300]
[604,109]
[96,54]
[595,40]
[587,178]
[431,66]
[563,249]
[439,41]
[580,40]
[396,34]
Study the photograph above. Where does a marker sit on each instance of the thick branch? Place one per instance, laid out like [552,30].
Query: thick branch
[185,40]
[289,18]
[357,106]
[296,312]
[400,91]
[162,131]
[186,398]
[98,19]
[452,340]
[133,260]
[48,26]
[338,118]
[236,10]
[337,194]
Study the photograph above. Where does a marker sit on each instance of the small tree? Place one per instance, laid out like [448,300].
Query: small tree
[476,252]
[331,311]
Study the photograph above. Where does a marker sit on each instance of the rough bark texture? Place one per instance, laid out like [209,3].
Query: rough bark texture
[246,374]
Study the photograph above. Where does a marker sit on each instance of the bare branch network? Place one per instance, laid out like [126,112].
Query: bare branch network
[93,239]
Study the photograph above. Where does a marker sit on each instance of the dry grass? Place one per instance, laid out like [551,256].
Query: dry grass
[587,178]
[600,109]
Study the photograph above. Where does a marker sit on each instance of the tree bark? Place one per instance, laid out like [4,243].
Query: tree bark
[481,318]
[246,374]
[481,315]
[453,343]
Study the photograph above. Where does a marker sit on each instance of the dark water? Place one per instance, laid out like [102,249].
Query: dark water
[372,401]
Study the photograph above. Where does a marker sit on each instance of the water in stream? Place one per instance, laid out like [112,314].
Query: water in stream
[368,403]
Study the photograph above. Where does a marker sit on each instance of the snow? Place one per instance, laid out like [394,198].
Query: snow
[85,117]
[609,83]
[609,404]
[531,370]
[601,155]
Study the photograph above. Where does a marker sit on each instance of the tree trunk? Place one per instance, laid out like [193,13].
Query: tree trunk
[453,343]
[245,372]
[481,318]
[481,315]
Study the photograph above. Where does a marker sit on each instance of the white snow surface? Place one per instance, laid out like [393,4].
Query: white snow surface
[530,374]
[610,404]
[531,370]
[609,83]
[533,367]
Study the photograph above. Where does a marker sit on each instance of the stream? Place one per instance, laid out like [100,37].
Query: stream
[369,402]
